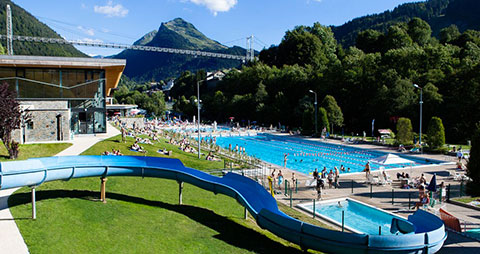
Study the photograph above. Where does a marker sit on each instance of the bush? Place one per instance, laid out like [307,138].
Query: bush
[436,133]
[323,119]
[473,166]
[404,131]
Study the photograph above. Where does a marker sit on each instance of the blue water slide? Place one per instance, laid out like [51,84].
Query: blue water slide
[429,230]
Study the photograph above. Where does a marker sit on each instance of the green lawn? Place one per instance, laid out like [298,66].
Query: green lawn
[141,216]
[34,150]
[466,200]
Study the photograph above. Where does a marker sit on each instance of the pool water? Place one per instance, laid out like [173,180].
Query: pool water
[304,156]
[360,217]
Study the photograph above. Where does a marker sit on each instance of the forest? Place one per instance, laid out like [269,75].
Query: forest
[374,79]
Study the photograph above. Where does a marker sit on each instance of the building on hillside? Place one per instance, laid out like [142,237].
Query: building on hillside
[63,95]
[214,77]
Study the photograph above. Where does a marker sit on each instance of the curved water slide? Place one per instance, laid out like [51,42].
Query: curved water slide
[427,234]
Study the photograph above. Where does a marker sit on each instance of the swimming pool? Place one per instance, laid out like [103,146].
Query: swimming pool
[304,155]
[358,217]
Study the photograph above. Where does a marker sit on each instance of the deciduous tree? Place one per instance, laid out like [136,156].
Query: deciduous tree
[10,119]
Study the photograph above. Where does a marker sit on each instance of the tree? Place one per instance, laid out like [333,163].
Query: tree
[397,37]
[449,34]
[10,119]
[419,31]
[370,41]
[404,131]
[436,133]
[334,112]
[323,119]
[473,166]
[307,121]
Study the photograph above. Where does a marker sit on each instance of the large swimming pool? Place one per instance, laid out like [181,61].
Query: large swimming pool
[358,217]
[304,155]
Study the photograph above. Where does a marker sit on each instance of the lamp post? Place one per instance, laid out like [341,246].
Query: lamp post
[198,111]
[421,103]
[316,128]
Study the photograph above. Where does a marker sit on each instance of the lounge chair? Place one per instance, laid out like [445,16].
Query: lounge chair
[415,150]
[371,179]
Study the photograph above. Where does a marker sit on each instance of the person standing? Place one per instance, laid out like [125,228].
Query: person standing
[294,181]
[315,174]
[280,179]
[337,176]
[285,159]
[367,169]
[124,135]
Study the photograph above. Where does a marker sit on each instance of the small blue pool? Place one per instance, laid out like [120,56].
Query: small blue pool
[359,217]
[304,155]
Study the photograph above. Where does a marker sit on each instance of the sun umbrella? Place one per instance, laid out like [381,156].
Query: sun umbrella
[390,159]
[432,186]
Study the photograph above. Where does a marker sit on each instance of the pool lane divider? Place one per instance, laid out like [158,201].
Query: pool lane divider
[428,237]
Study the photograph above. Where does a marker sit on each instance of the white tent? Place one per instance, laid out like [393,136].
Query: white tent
[391,159]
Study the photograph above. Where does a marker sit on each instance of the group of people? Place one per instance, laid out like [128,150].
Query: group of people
[211,157]
[136,147]
[323,176]
[280,179]
[113,152]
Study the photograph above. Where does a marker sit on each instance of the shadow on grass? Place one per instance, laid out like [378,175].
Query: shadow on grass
[229,231]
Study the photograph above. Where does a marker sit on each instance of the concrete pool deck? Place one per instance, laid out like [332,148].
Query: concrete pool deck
[382,195]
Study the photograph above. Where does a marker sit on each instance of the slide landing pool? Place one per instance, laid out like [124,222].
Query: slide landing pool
[427,234]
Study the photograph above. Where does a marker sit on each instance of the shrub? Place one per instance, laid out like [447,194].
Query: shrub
[436,133]
[404,131]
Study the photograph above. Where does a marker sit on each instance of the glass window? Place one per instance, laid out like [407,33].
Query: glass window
[99,122]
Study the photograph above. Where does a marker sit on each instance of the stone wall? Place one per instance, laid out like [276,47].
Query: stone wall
[43,123]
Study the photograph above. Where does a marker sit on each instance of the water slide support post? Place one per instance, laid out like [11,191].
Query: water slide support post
[343,221]
[34,207]
[103,197]
[245,214]
[180,190]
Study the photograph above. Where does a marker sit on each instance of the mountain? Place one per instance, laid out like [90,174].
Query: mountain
[179,34]
[438,13]
[24,23]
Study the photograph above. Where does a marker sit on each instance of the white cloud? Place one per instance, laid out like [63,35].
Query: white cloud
[105,30]
[216,6]
[111,10]
[87,31]
[83,6]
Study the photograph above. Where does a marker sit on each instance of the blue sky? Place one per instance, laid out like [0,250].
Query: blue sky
[227,21]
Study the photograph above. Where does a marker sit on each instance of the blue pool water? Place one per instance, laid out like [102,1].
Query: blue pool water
[358,216]
[304,156]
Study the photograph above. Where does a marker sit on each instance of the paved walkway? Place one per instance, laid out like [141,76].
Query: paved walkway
[11,241]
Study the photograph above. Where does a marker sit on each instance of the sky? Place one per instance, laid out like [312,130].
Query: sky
[226,21]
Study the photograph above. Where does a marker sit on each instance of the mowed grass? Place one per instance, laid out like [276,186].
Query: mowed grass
[141,215]
[34,150]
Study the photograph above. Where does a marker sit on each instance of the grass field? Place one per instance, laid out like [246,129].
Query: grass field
[34,150]
[141,215]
